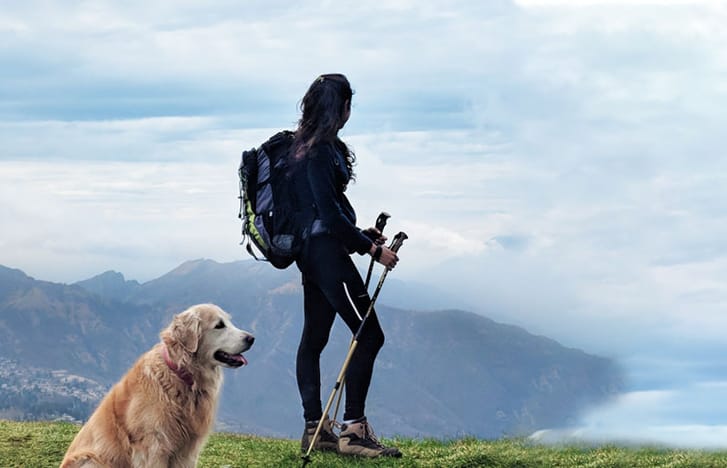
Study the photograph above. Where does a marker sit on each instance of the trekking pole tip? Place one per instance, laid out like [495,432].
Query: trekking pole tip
[306,460]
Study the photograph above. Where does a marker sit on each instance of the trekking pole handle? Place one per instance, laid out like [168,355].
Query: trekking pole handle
[398,241]
[381,221]
[380,225]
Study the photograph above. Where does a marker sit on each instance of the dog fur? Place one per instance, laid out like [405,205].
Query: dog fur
[160,413]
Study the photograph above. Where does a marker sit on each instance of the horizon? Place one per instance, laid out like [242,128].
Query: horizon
[555,163]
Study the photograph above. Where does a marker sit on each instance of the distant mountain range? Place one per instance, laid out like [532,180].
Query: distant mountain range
[442,373]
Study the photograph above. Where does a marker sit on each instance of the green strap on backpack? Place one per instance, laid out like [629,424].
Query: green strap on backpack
[272,221]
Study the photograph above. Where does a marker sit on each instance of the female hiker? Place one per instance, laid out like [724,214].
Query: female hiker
[331,283]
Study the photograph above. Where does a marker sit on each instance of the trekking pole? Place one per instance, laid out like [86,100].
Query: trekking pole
[380,225]
[395,245]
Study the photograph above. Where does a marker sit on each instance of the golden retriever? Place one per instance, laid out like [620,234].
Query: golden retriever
[160,413]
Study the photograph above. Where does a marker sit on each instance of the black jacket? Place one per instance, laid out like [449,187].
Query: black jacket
[321,179]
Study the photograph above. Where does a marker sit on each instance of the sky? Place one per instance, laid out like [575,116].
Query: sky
[557,164]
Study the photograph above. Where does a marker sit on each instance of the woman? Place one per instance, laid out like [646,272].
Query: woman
[331,283]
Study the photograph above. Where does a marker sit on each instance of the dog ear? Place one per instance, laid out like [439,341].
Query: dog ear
[185,330]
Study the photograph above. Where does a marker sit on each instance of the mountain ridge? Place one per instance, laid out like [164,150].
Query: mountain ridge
[440,373]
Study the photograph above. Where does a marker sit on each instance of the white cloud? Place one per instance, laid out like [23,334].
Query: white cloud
[590,3]
[67,221]
[653,417]
[180,139]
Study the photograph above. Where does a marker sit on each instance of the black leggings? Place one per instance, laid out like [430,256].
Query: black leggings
[331,283]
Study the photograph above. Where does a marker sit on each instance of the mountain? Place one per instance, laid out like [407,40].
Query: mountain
[56,326]
[111,285]
[441,373]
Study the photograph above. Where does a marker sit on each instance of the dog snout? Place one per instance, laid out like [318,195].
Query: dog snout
[249,340]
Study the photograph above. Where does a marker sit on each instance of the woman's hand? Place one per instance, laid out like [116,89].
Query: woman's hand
[384,255]
[375,236]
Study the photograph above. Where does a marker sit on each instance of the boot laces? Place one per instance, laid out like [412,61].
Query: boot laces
[369,435]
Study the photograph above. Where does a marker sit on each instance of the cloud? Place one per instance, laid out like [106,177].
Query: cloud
[591,3]
[179,139]
[173,59]
[654,417]
[138,218]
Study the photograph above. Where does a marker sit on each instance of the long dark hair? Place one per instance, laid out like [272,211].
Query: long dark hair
[323,109]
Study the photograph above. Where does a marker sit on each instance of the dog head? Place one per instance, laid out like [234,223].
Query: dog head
[204,333]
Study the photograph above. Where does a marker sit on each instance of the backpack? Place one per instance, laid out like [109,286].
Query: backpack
[271,217]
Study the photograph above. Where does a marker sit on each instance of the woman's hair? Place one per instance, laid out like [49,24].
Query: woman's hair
[323,109]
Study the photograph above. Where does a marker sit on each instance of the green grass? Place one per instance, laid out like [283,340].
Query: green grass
[38,445]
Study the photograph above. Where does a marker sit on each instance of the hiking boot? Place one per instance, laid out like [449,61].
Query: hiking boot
[326,440]
[358,438]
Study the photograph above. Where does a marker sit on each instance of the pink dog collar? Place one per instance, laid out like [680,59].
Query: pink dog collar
[181,373]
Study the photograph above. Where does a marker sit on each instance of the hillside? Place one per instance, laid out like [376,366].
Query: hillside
[441,373]
[43,444]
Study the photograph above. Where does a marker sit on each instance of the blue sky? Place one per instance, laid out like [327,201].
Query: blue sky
[557,164]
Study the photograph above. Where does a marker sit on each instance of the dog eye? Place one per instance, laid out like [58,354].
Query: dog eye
[220,324]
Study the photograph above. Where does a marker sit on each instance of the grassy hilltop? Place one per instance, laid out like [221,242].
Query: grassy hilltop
[39,445]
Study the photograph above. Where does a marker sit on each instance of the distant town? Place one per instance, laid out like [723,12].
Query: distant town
[30,393]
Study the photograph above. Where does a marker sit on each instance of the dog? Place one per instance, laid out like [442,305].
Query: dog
[161,411]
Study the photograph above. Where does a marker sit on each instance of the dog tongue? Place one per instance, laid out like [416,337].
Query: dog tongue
[239,358]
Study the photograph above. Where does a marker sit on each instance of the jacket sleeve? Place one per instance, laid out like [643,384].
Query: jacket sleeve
[322,180]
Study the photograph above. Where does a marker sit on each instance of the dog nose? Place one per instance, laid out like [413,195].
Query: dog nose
[249,339]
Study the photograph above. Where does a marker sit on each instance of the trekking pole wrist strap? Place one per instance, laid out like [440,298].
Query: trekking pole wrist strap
[377,253]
